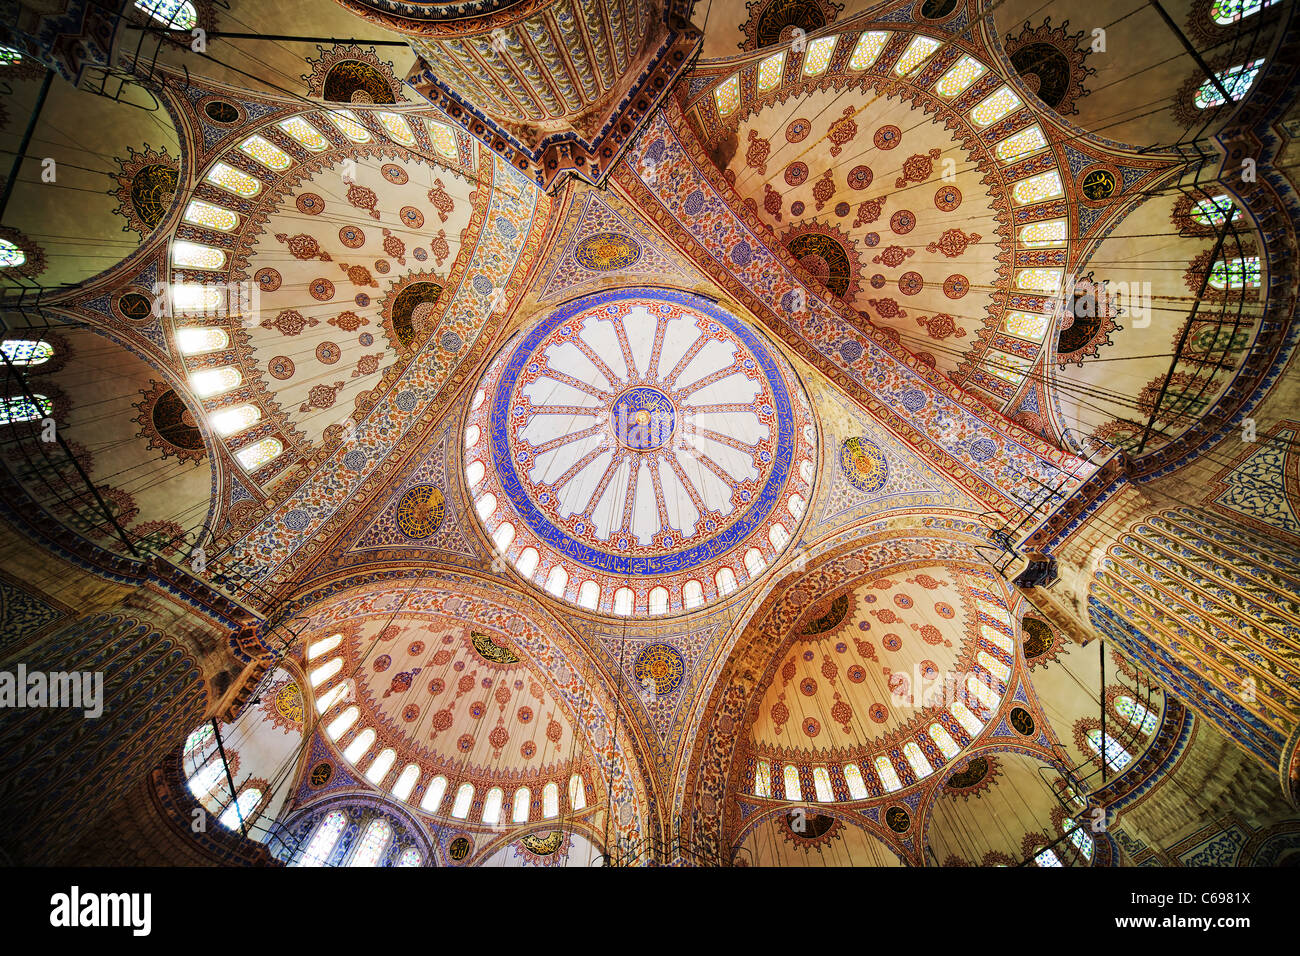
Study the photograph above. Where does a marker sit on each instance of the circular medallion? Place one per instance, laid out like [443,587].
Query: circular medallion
[864,465]
[1022,721]
[607,251]
[1038,637]
[659,668]
[281,367]
[887,137]
[910,283]
[860,177]
[268,280]
[459,848]
[412,217]
[797,131]
[352,237]
[956,286]
[394,174]
[327,353]
[947,198]
[222,112]
[902,222]
[796,209]
[309,204]
[322,289]
[420,512]
[644,419]
[288,702]
[1098,184]
[796,174]
[134,306]
[321,774]
[898,819]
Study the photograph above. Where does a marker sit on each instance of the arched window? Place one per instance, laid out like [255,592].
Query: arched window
[589,595]
[763,779]
[261,150]
[993,108]
[527,562]
[197,742]
[822,785]
[339,725]
[1079,837]
[306,134]
[857,786]
[977,690]
[485,505]
[523,805]
[373,842]
[818,56]
[1215,210]
[577,793]
[551,800]
[1236,80]
[791,777]
[492,806]
[624,599]
[770,70]
[1024,143]
[380,766]
[327,670]
[917,52]
[994,666]
[1037,188]
[255,456]
[658,600]
[888,775]
[1117,758]
[200,213]
[410,857]
[972,724]
[233,180]
[472,436]
[1230,11]
[754,562]
[11,256]
[1236,273]
[360,744]
[919,762]
[323,839]
[1047,858]
[406,782]
[806,470]
[397,128]
[943,740]
[347,123]
[20,409]
[434,794]
[173,14]
[959,76]
[504,534]
[869,46]
[192,341]
[443,139]
[557,580]
[326,644]
[214,381]
[27,352]
[195,255]
[474,472]
[1137,714]
[201,783]
[794,505]
[231,420]
[464,800]
[241,809]
[725,579]
[778,536]
[692,594]
[727,95]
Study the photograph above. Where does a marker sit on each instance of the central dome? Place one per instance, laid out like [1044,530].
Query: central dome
[640,451]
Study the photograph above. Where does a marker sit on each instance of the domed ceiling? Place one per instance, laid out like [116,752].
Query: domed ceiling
[640,441]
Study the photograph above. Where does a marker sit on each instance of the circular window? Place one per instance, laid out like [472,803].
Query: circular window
[628,450]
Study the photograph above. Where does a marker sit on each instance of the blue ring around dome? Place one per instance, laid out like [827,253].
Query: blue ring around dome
[647,565]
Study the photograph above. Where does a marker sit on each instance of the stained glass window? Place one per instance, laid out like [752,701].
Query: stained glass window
[1039,280]
[770,70]
[1026,325]
[443,139]
[433,795]
[347,123]
[1137,714]
[1037,188]
[397,128]
[195,340]
[492,806]
[1237,81]
[943,740]
[27,352]
[406,781]
[551,800]
[727,95]
[1080,838]
[857,786]
[380,766]
[993,665]
[339,725]
[917,52]
[790,775]
[19,409]
[201,783]
[795,506]
[763,779]
[822,785]
[1213,212]
[200,213]
[323,839]
[197,739]
[1049,232]
[373,842]
[213,381]
[306,134]
[331,697]
[1019,145]
[996,636]
[9,56]
[972,724]
[360,745]
[1236,274]
[920,765]
[231,420]
[995,611]
[1230,11]
[993,108]
[192,255]
[1009,368]
[255,456]
[176,14]
[410,857]
[869,46]
[265,152]
[577,793]
[523,805]
[888,775]
[1047,858]
[977,689]
[754,562]
[1117,758]
[818,56]
[241,809]
[961,75]
[233,180]
[463,801]
[194,297]
[10,255]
